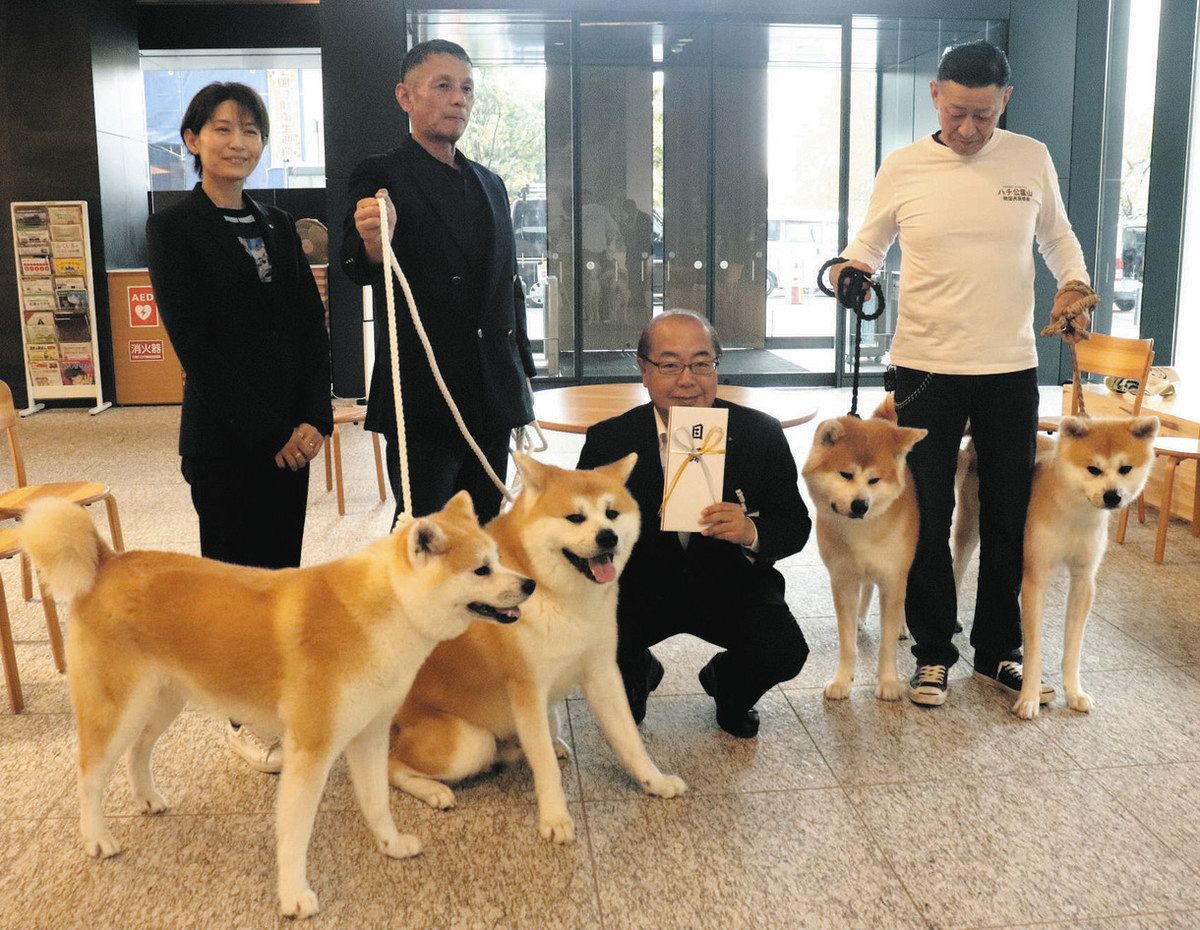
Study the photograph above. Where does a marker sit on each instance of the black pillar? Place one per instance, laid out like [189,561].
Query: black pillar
[362,42]
[74,129]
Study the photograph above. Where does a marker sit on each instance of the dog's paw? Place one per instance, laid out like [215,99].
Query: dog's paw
[889,689]
[401,846]
[101,845]
[433,793]
[438,796]
[838,689]
[153,803]
[300,904]
[665,786]
[557,829]
[1080,701]
[561,749]
[1027,708]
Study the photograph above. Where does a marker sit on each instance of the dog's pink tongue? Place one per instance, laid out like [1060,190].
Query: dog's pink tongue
[603,570]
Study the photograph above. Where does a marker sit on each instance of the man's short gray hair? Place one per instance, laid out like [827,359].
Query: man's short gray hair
[643,349]
[422,50]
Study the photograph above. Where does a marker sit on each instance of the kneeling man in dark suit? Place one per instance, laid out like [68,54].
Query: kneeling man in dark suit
[720,584]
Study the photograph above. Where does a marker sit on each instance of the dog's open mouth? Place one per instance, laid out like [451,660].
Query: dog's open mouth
[499,614]
[599,568]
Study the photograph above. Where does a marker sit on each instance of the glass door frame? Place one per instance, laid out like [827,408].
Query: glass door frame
[840,374]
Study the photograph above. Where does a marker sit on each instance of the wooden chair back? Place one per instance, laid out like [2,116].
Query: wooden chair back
[8,423]
[1117,356]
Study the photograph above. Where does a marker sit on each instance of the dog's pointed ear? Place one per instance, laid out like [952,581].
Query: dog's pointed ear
[907,437]
[533,472]
[1144,427]
[1074,427]
[829,433]
[426,539]
[461,505]
[621,469]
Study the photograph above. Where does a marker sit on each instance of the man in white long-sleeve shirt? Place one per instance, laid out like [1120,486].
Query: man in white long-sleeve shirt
[968,203]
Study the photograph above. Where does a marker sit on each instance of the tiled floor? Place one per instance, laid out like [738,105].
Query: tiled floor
[854,814]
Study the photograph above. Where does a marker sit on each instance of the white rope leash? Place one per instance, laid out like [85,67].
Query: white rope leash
[404,514]
[390,261]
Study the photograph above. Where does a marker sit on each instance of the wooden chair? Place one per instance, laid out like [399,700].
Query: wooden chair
[8,655]
[354,414]
[14,501]
[1108,355]
[1119,357]
[1174,450]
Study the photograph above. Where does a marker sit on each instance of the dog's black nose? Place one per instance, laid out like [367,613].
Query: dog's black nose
[1112,499]
[858,507]
[528,585]
[606,539]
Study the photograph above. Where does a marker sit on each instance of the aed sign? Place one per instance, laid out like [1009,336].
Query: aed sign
[143,310]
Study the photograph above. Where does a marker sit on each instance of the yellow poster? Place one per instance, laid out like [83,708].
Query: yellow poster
[73,266]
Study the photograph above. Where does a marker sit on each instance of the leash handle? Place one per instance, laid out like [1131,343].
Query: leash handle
[853,285]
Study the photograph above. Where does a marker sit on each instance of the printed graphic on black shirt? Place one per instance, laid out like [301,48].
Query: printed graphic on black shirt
[250,236]
[257,249]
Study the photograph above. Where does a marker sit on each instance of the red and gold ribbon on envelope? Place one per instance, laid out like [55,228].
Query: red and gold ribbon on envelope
[682,441]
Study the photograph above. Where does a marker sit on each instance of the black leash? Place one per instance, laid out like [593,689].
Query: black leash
[853,285]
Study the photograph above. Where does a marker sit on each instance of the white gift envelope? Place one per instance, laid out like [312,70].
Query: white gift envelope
[695,471]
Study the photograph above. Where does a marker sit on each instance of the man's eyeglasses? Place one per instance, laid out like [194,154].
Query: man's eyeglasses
[699,369]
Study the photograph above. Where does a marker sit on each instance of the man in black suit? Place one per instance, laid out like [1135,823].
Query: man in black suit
[452,234]
[718,584]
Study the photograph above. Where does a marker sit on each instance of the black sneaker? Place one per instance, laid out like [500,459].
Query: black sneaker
[928,685]
[1010,676]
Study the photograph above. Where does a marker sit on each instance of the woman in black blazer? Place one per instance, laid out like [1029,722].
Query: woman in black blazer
[239,302]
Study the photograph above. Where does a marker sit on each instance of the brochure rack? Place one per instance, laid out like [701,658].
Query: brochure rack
[56,293]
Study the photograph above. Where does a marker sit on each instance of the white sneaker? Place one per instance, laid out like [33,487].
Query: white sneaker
[264,755]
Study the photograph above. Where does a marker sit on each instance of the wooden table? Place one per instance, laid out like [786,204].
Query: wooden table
[574,409]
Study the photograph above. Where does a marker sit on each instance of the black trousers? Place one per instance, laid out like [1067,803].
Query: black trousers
[1002,410]
[439,470]
[762,641]
[251,513]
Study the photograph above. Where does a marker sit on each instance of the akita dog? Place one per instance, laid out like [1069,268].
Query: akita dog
[867,522]
[573,531]
[1098,466]
[322,656]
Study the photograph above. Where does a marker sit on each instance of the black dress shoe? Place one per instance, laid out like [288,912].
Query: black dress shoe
[742,723]
[637,696]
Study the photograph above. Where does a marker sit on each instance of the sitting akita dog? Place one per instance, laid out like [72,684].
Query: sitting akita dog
[867,522]
[322,656]
[1097,466]
[573,531]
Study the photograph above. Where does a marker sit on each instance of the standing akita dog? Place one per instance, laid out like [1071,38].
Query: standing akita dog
[322,656]
[867,522]
[1098,466]
[573,531]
